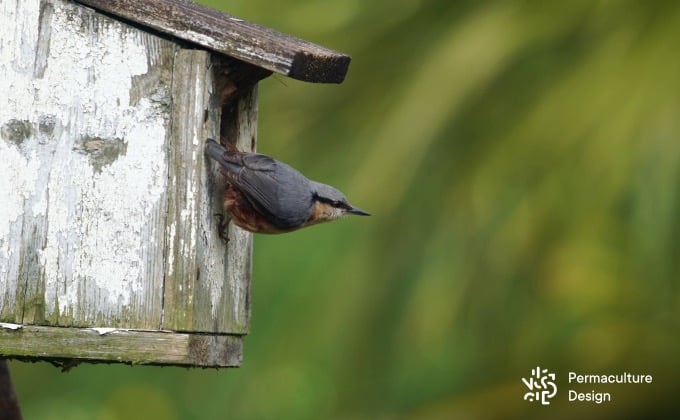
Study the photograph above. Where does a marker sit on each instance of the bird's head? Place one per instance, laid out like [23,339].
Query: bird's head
[330,204]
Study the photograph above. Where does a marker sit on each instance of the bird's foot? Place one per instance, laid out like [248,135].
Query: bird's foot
[223,227]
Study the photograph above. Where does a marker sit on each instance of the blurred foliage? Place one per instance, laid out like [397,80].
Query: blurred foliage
[521,160]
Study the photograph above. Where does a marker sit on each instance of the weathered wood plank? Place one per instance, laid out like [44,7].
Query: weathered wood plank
[108,219]
[120,345]
[232,36]
[206,280]
[83,133]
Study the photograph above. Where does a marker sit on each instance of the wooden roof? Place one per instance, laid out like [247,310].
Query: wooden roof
[221,32]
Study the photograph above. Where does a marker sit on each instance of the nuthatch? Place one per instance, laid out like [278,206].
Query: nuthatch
[264,195]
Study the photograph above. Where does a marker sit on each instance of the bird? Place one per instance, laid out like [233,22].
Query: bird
[265,195]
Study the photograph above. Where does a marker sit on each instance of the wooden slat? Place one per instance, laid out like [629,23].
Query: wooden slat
[83,167]
[206,281]
[114,345]
[108,216]
[247,41]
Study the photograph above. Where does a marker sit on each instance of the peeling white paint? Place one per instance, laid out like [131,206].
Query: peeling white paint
[196,37]
[171,249]
[109,256]
[108,331]
[17,182]
[104,330]
[110,253]
[89,231]
[97,219]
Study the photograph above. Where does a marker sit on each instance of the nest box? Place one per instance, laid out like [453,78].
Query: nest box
[109,248]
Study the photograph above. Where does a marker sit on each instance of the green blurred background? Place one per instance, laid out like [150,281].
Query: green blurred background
[521,160]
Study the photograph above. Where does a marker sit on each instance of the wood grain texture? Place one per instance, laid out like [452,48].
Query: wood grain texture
[120,345]
[83,138]
[207,281]
[247,41]
[108,219]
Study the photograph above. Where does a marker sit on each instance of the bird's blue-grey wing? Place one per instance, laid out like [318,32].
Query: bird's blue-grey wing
[279,192]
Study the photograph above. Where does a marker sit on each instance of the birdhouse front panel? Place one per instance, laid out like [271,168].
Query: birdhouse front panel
[107,219]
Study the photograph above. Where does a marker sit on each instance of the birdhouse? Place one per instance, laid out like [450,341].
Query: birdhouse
[109,246]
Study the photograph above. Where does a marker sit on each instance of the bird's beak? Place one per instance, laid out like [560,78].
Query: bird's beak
[358,212]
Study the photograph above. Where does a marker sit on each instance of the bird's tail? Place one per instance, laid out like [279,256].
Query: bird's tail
[220,154]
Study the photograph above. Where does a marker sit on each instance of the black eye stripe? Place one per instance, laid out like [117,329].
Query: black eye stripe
[334,203]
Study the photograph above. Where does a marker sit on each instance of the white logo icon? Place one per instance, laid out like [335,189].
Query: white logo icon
[541,386]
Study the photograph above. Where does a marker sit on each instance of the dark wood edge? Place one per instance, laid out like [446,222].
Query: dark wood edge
[229,35]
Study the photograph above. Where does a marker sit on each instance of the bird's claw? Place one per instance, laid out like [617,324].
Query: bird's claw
[222,226]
